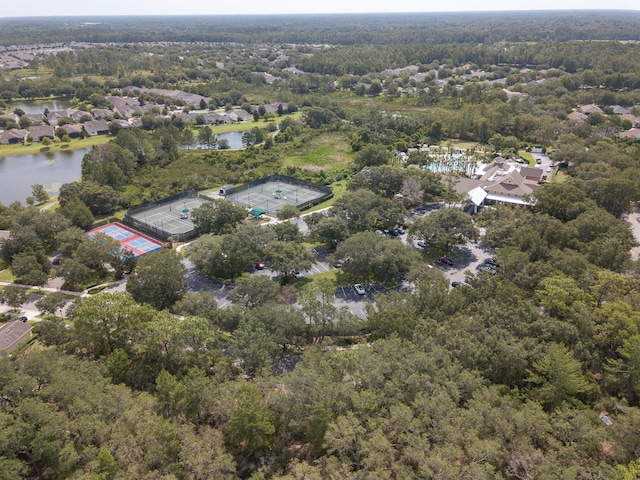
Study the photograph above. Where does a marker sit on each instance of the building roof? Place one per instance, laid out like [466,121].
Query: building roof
[531,172]
[591,108]
[39,131]
[95,126]
[11,333]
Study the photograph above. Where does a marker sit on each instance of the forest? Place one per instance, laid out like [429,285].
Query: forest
[529,369]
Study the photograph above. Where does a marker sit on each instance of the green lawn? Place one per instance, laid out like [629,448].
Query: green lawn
[244,126]
[322,153]
[6,276]
[13,150]
[528,157]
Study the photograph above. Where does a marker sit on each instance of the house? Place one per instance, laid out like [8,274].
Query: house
[53,117]
[239,116]
[11,116]
[635,121]
[216,119]
[531,174]
[101,113]
[34,118]
[13,334]
[577,117]
[591,108]
[73,131]
[96,127]
[13,136]
[619,110]
[38,132]
[633,133]
[78,115]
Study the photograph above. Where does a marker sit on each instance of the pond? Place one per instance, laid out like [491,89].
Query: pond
[51,169]
[234,139]
[38,106]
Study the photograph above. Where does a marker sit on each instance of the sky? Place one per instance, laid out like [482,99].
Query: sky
[244,7]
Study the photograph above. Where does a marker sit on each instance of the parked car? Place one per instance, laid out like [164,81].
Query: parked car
[259,266]
[446,260]
[486,268]
[421,244]
[491,261]
[296,274]
[359,289]
[23,319]
[457,284]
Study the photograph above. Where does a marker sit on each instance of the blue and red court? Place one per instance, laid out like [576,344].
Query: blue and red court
[137,243]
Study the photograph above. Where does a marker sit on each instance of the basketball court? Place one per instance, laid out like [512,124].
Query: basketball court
[128,238]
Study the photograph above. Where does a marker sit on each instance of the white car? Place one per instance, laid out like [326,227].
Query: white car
[549,169]
[296,274]
[359,289]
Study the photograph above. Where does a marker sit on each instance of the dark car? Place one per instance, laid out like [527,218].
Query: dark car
[491,261]
[23,319]
[446,261]
[457,284]
[486,268]
[259,266]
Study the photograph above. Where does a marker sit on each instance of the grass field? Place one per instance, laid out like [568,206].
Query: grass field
[322,153]
[13,150]
[528,157]
[244,126]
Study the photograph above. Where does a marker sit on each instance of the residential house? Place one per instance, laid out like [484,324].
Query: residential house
[216,119]
[53,117]
[73,131]
[11,116]
[96,127]
[633,133]
[273,107]
[13,334]
[78,115]
[38,132]
[99,113]
[13,136]
[619,110]
[34,118]
[239,116]
[591,108]
[635,121]
[577,117]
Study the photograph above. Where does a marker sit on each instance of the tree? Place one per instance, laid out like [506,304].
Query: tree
[445,228]
[558,376]
[28,270]
[251,426]
[52,302]
[197,304]
[39,193]
[331,230]
[77,212]
[13,296]
[371,155]
[288,211]
[218,217]
[284,257]
[254,291]
[206,137]
[158,279]
[367,255]
[286,231]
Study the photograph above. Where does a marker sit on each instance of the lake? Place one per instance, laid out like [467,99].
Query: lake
[38,106]
[234,139]
[51,169]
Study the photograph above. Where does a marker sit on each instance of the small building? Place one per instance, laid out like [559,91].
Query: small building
[96,127]
[531,174]
[13,136]
[13,335]
[591,108]
[239,116]
[38,132]
[34,118]
[73,131]
[224,191]
[55,116]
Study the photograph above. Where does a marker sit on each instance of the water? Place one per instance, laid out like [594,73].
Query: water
[51,169]
[234,139]
[38,106]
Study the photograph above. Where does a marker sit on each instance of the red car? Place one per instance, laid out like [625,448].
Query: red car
[446,261]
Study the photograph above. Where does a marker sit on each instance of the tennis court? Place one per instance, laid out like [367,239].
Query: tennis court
[130,239]
[272,196]
[171,218]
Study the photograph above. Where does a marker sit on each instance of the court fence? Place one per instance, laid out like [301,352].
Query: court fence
[325,192]
[159,232]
